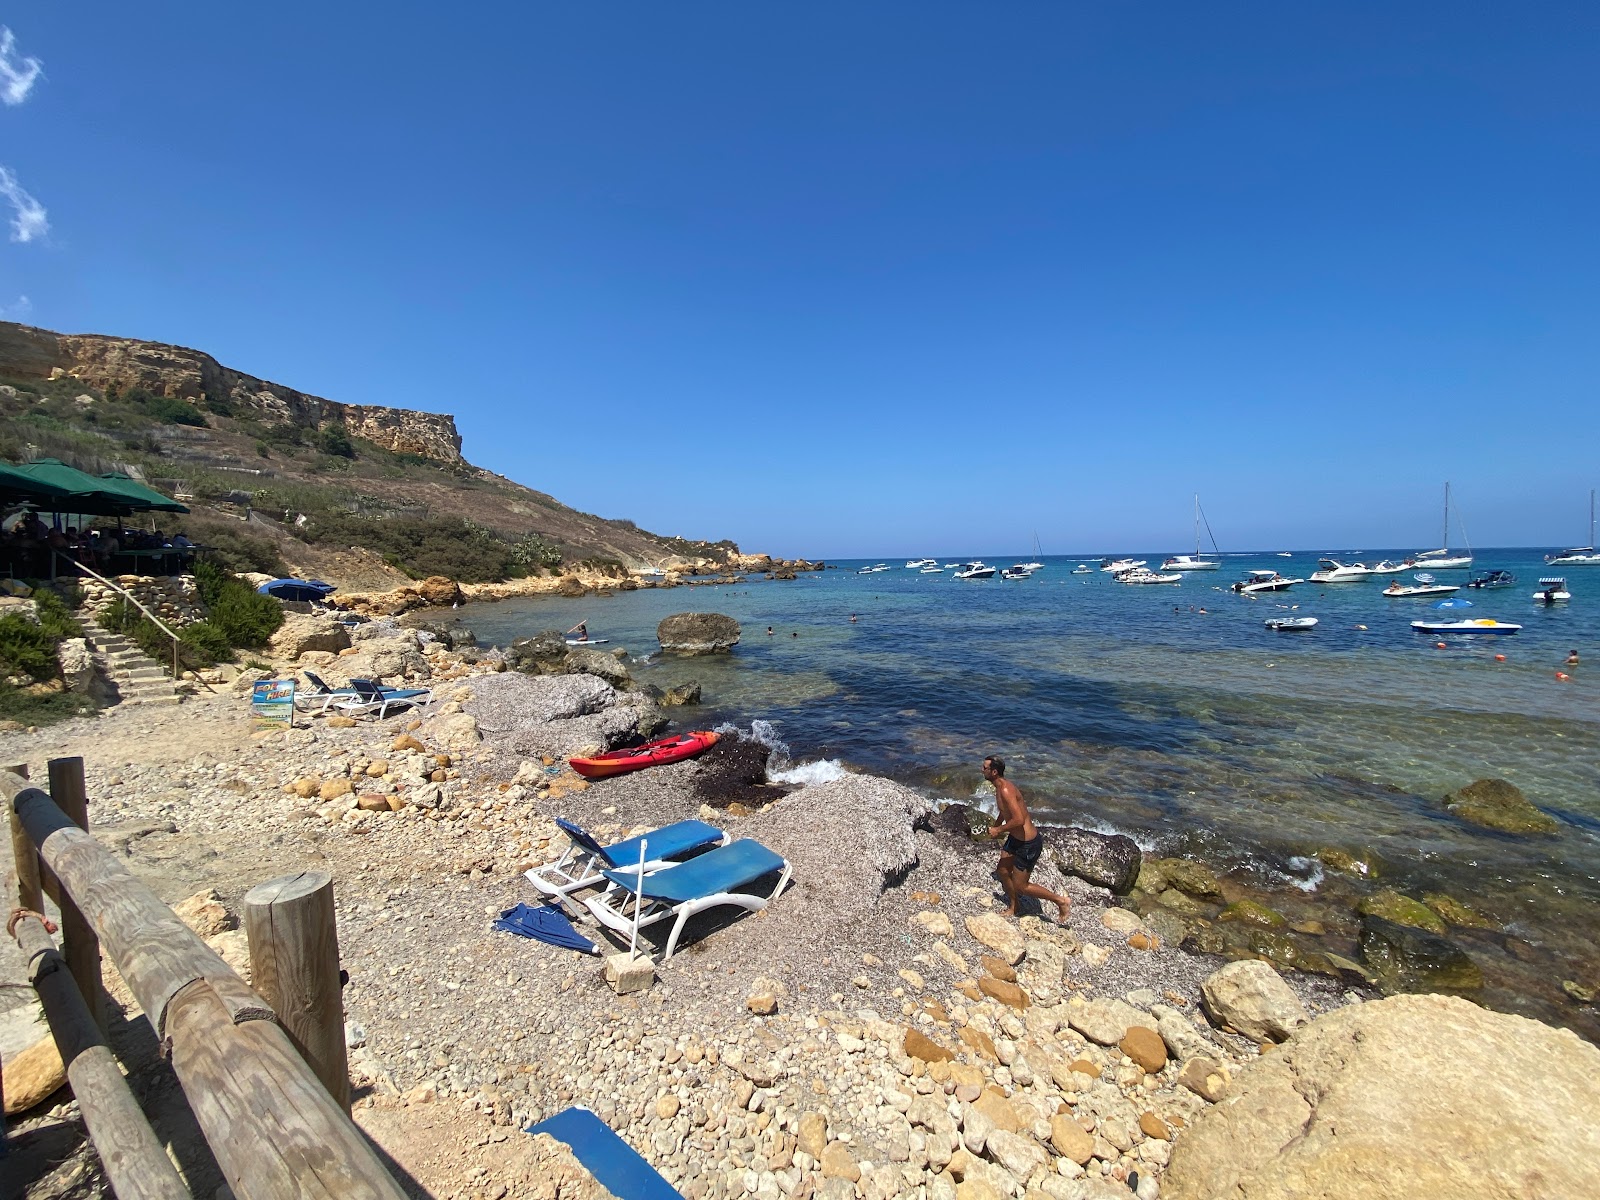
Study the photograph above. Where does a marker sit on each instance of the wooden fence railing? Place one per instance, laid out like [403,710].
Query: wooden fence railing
[278,1125]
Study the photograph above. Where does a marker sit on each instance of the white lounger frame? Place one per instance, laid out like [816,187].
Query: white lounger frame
[589,872]
[614,916]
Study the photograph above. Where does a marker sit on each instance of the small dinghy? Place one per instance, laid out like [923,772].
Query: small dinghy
[1552,590]
[1481,625]
[651,754]
[1290,624]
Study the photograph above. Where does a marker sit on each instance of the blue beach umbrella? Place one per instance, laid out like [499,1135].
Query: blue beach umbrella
[1453,602]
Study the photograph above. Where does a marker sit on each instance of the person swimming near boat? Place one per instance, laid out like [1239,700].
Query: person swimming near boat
[1024,843]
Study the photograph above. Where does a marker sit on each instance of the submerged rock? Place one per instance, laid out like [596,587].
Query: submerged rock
[1402,910]
[683,693]
[1250,912]
[1406,959]
[1410,1096]
[1188,876]
[1454,912]
[1105,860]
[1496,804]
[1362,864]
[697,633]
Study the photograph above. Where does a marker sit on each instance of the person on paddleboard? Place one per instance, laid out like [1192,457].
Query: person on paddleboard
[1024,843]
[581,629]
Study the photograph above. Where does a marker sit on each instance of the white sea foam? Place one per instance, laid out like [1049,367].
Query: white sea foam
[824,770]
[779,768]
[1310,868]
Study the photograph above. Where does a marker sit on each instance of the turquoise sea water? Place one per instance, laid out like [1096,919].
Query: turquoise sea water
[1127,708]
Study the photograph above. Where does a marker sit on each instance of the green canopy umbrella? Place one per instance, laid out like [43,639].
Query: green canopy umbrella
[143,497]
[16,483]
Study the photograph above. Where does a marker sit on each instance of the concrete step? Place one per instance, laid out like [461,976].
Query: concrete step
[152,673]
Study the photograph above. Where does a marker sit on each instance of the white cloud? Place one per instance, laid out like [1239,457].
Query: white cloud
[31,220]
[16,312]
[17,75]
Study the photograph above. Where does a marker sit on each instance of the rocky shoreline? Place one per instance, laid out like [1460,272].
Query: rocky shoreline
[880,1030]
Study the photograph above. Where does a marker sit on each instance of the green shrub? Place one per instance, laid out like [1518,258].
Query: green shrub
[232,545]
[241,616]
[204,644]
[26,648]
[28,708]
[170,410]
[55,618]
[333,440]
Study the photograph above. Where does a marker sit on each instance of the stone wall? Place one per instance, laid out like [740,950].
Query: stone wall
[173,598]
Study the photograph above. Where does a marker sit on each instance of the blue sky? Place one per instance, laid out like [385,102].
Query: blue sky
[865,279]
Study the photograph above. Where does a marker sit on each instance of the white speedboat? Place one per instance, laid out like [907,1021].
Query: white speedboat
[975,570]
[1016,571]
[931,571]
[1333,571]
[873,570]
[1481,625]
[1552,590]
[1445,559]
[651,572]
[916,564]
[1398,590]
[1083,569]
[1579,556]
[1145,575]
[1030,567]
[1264,581]
[1388,567]
[1115,566]
[1290,624]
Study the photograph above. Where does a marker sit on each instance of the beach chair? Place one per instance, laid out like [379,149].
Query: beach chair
[372,699]
[321,696]
[614,1163]
[585,859]
[681,890]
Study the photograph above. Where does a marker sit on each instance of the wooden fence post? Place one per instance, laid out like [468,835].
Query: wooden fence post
[294,965]
[80,945]
[29,894]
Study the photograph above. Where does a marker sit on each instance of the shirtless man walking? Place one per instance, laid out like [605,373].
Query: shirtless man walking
[1024,842]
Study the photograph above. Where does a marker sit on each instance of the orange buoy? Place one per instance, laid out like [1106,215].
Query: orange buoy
[1499,658]
[1439,645]
[1562,675]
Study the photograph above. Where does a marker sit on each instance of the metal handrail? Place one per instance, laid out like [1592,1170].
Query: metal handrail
[134,600]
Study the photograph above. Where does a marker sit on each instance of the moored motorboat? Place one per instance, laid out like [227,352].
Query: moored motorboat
[1444,559]
[1264,581]
[1398,589]
[916,564]
[1016,571]
[1083,569]
[1333,571]
[1492,579]
[931,571]
[1579,556]
[1290,624]
[1479,625]
[1388,567]
[975,570]
[1115,566]
[1552,590]
[1145,575]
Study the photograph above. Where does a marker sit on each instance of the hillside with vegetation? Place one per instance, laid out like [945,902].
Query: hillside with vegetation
[278,480]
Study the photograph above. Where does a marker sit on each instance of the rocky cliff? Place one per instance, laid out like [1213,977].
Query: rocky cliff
[163,370]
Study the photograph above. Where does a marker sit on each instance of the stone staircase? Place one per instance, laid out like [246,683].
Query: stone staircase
[139,678]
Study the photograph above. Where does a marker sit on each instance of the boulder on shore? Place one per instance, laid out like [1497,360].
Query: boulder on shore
[697,633]
[544,653]
[1108,860]
[1496,804]
[301,632]
[1406,1097]
[1406,959]
[585,660]
[1252,998]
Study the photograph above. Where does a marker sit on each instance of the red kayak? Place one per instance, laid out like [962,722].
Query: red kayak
[651,754]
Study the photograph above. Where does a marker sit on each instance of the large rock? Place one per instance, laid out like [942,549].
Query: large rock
[1409,1097]
[1402,910]
[1406,959]
[542,654]
[77,666]
[1106,1020]
[1105,860]
[1250,996]
[301,632]
[697,633]
[585,660]
[999,934]
[1496,804]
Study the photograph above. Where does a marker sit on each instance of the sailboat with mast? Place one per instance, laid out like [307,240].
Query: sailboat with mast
[1579,556]
[1035,565]
[1443,559]
[1195,561]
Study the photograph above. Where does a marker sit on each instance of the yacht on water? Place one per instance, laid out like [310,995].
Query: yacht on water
[1038,554]
[1016,571]
[873,570]
[1083,569]
[1579,556]
[916,564]
[1118,565]
[1334,571]
[1196,561]
[1264,581]
[1424,587]
[974,570]
[931,569]
[1492,579]
[1552,590]
[1443,559]
[1145,575]
[1388,567]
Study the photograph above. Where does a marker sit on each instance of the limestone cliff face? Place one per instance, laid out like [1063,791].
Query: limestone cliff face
[162,370]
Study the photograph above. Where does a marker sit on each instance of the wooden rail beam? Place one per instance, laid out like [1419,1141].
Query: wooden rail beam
[80,946]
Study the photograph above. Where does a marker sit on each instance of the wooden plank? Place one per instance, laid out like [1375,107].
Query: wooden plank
[134,1160]
[294,964]
[29,894]
[79,945]
[276,1132]
[156,953]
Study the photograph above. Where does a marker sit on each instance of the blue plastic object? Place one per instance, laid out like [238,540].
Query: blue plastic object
[544,923]
[609,1159]
[721,870]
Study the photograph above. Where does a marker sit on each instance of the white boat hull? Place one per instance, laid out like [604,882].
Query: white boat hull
[1185,562]
[1485,625]
[1442,563]
[1442,589]
[1574,560]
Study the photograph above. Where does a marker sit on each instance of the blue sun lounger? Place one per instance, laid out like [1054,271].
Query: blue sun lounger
[372,698]
[608,1158]
[585,858]
[684,889]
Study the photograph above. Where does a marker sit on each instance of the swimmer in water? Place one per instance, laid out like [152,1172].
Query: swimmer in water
[1572,659]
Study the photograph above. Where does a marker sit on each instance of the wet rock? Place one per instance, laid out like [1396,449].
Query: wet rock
[1167,926]
[1454,912]
[697,633]
[1253,999]
[1106,860]
[1496,804]
[585,660]
[1485,1104]
[1250,912]
[1402,910]
[682,694]
[734,771]
[1276,946]
[1361,864]
[1188,876]
[542,654]
[1406,959]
